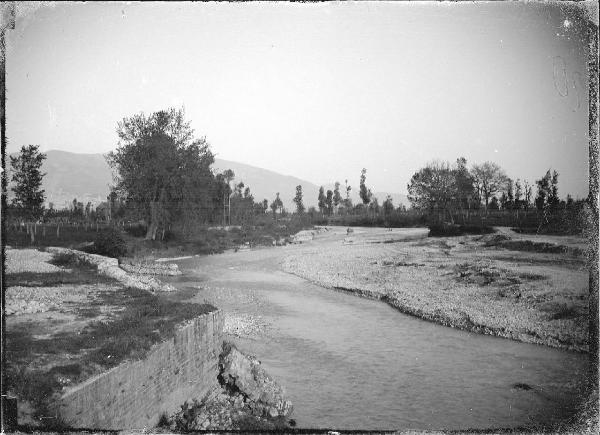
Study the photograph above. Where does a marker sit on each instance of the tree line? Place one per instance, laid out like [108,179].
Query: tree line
[163,178]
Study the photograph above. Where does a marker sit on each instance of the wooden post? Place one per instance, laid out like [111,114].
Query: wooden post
[44,230]
[58,230]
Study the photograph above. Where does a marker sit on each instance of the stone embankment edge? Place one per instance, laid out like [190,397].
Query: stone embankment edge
[110,267]
[465,324]
[134,394]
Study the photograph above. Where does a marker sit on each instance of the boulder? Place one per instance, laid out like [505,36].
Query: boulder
[245,374]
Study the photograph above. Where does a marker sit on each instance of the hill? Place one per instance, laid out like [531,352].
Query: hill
[87,177]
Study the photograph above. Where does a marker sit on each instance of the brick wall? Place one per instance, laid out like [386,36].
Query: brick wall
[134,394]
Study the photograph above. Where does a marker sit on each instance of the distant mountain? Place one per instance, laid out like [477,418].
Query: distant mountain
[264,184]
[72,175]
[87,177]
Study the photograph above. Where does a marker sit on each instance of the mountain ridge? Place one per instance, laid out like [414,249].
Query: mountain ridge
[87,177]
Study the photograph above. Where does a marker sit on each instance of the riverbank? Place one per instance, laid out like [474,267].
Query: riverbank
[76,323]
[468,282]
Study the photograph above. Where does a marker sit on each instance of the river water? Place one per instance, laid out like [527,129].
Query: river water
[348,362]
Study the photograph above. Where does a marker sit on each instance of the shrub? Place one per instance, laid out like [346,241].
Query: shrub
[111,243]
[137,230]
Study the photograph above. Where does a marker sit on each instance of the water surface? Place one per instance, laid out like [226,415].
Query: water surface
[348,362]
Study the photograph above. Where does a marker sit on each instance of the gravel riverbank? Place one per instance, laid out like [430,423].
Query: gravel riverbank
[464,282]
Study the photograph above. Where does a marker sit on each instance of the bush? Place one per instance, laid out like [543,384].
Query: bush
[137,230]
[110,243]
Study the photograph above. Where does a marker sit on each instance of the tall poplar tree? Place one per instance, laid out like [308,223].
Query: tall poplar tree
[27,178]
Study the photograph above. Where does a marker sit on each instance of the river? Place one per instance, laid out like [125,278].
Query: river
[348,362]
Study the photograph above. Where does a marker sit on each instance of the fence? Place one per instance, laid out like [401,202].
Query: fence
[22,234]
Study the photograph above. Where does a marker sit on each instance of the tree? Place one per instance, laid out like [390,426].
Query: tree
[347,201]
[543,190]
[163,173]
[337,197]
[489,180]
[27,178]
[528,193]
[277,204]
[433,188]
[364,192]
[494,203]
[553,199]
[329,202]
[465,191]
[518,194]
[510,196]
[374,205]
[298,200]
[388,207]
[321,200]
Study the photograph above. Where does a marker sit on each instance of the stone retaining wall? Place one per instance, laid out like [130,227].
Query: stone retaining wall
[135,394]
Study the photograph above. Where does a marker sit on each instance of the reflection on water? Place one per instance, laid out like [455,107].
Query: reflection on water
[348,362]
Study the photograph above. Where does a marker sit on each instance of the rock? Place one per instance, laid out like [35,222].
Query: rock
[243,374]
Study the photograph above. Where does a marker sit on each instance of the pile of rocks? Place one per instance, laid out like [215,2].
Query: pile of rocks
[246,399]
[244,374]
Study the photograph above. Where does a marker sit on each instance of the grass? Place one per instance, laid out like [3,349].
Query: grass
[144,319]
[69,237]
[205,242]
[78,272]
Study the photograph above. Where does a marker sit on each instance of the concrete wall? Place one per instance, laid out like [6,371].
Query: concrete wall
[134,394]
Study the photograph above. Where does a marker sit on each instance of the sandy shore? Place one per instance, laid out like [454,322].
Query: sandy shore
[464,282]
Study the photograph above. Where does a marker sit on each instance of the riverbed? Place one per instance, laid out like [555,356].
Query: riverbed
[349,362]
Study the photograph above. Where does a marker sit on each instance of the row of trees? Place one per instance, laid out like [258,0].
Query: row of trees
[446,187]
[164,178]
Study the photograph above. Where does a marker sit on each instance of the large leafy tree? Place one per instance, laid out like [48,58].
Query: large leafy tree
[433,188]
[162,172]
[27,178]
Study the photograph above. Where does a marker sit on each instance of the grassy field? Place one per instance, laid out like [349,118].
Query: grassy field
[65,324]
[468,282]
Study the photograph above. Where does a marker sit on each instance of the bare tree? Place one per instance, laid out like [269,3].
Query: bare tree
[490,179]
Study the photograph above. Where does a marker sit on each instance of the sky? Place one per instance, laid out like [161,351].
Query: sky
[313,90]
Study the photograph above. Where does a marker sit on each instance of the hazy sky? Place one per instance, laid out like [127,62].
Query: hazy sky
[313,90]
